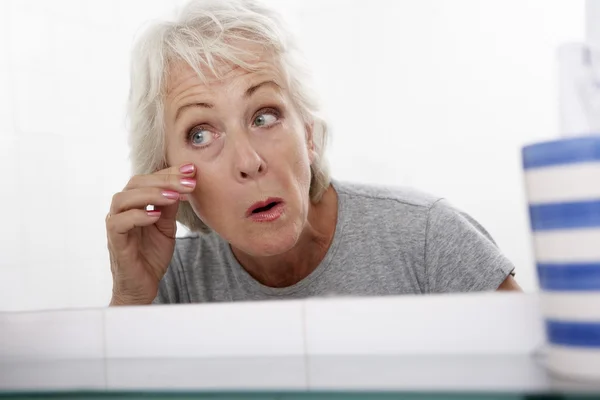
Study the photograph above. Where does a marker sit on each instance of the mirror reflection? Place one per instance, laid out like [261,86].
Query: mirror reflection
[233,150]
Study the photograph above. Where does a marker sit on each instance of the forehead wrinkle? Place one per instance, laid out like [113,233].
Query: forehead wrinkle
[235,80]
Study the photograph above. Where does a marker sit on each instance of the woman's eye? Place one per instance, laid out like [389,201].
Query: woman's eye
[265,119]
[201,137]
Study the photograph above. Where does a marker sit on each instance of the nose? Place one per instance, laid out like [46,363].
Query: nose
[248,164]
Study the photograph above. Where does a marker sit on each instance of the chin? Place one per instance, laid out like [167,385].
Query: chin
[272,244]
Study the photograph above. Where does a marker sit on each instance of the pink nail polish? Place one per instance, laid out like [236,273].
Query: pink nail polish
[187,169]
[153,213]
[188,182]
[169,194]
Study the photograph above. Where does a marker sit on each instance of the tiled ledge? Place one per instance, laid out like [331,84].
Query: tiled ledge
[459,324]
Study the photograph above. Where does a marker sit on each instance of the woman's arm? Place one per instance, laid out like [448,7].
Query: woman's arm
[509,284]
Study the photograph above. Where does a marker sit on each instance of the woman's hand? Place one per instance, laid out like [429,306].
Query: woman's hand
[140,242]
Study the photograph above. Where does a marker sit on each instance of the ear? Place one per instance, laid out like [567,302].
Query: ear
[310,144]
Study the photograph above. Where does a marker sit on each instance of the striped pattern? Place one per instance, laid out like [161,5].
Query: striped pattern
[562,152]
[577,362]
[569,277]
[562,181]
[557,246]
[576,215]
[570,306]
[578,334]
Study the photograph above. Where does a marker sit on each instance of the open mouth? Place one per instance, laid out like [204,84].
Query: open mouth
[263,206]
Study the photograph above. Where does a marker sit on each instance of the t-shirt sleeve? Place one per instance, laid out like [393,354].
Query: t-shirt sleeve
[460,255]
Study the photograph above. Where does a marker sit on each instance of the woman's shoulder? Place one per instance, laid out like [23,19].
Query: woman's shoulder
[398,195]
[401,203]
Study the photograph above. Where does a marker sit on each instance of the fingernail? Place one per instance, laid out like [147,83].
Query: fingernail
[153,213]
[187,168]
[188,182]
[169,194]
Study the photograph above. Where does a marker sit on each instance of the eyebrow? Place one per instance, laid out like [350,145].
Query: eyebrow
[249,92]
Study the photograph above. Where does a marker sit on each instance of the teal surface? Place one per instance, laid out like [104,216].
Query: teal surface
[294,396]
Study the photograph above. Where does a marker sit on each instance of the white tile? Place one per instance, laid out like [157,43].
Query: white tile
[205,330]
[497,323]
[11,229]
[14,293]
[85,284]
[32,45]
[52,375]
[85,229]
[88,90]
[222,373]
[44,185]
[90,283]
[430,373]
[51,335]
[89,162]
[30,57]
[48,285]
[6,112]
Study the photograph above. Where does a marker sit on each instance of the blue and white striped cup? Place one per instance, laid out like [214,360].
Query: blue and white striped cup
[562,180]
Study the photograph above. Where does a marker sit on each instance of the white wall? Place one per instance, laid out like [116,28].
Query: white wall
[592,18]
[434,94]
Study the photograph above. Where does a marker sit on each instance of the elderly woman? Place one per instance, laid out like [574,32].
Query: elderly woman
[227,139]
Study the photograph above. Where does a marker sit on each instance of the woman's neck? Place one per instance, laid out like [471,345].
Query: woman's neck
[297,263]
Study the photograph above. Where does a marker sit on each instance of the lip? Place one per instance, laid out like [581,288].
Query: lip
[270,214]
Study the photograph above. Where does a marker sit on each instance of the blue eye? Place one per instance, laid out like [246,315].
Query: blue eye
[201,137]
[265,119]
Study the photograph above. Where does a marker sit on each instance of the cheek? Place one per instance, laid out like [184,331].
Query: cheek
[298,146]
[298,157]
[302,161]
[212,200]
[290,157]
[206,193]
[305,153]
[173,153]
[211,215]
[196,205]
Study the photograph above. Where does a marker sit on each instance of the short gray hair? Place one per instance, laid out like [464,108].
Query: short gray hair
[205,34]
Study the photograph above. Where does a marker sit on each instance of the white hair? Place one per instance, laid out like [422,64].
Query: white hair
[206,34]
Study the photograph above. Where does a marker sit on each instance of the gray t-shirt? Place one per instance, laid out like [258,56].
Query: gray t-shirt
[387,241]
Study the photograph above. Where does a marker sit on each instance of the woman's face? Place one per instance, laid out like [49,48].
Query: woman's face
[249,146]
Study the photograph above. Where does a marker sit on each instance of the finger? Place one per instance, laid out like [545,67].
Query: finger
[120,224]
[169,213]
[169,178]
[185,169]
[142,197]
